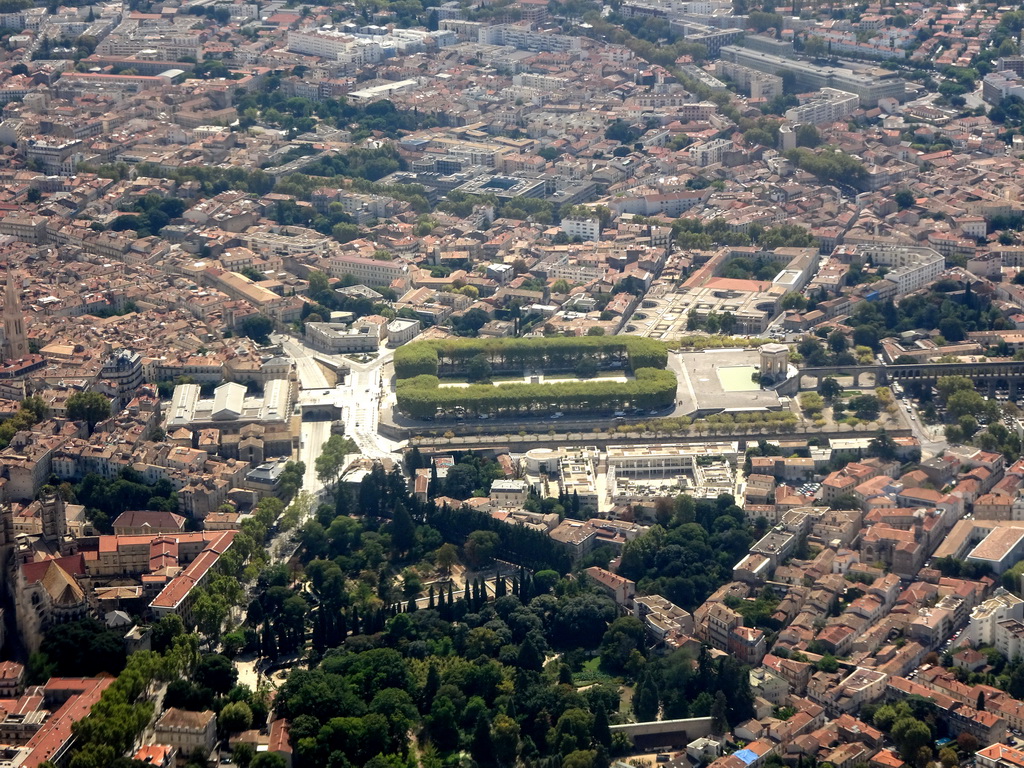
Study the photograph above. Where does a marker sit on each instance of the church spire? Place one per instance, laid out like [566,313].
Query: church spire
[15,343]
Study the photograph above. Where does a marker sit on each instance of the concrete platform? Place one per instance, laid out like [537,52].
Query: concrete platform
[719,381]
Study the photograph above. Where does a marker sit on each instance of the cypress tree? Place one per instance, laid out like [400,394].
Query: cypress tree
[482,747]
[430,688]
[602,732]
[645,700]
[564,675]
[526,590]
[529,657]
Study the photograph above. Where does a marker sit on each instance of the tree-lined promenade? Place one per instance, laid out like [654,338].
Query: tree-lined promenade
[419,368]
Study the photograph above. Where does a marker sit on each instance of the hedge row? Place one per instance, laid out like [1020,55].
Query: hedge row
[449,357]
[421,396]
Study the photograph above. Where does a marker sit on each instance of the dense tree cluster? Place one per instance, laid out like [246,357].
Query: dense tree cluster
[471,474]
[328,300]
[359,162]
[752,268]
[148,215]
[124,710]
[476,686]
[213,180]
[106,498]
[468,672]
[695,234]
[78,649]
[31,410]
[90,407]
[913,725]
[691,552]
[829,165]
[258,328]
[401,651]
[650,39]
[955,311]
[680,689]
[270,105]
[516,544]
[334,221]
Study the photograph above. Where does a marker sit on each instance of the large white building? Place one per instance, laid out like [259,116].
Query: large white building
[870,88]
[338,338]
[332,44]
[230,408]
[985,618]
[710,152]
[369,271]
[910,268]
[760,85]
[585,228]
[997,86]
[368,46]
[523,38]
[827,106]
[664,459]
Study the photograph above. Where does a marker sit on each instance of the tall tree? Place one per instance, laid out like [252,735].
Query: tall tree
[645,700]
[90,407]
[403,530]
[720,713]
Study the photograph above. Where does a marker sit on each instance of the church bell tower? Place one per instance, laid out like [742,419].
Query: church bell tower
[15,344]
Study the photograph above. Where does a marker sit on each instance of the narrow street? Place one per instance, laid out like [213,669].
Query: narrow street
[933,441]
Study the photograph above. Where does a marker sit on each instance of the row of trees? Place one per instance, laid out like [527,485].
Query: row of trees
[421,397]
[125,708]
[450,357]
[784,421]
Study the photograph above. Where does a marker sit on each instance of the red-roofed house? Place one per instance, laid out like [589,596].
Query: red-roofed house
[70,700]
[279,742]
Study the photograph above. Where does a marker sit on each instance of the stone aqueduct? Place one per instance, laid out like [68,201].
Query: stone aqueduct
[990,376]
